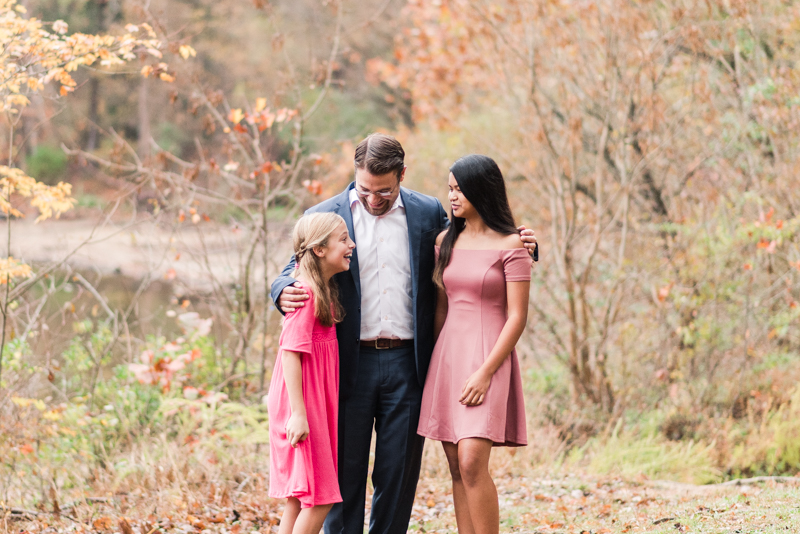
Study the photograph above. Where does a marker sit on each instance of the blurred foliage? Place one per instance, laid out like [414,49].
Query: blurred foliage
[48,164]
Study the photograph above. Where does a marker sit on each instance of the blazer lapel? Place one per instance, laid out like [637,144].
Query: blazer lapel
[344,210]
[414,219]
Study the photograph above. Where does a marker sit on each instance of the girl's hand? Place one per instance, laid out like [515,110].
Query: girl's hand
[297,428]
[474,390]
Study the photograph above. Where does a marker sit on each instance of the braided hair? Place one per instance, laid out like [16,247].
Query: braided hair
[310,232]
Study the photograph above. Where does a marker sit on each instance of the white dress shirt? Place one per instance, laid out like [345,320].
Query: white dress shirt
[384,267]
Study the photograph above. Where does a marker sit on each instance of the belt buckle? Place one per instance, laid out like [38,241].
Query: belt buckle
[379,347]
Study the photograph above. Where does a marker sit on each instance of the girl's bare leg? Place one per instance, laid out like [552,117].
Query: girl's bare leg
[481,493]
[463,519]
[290,513]
[310,519]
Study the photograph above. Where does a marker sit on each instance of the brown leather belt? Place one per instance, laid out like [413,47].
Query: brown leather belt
[384,343]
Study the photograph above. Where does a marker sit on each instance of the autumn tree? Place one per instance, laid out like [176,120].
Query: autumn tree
[34,54]
[657,145]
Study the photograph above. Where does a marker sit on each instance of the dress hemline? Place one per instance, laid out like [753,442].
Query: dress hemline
[300,497]
[495,443]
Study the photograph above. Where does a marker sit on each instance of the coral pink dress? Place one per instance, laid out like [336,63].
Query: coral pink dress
[308,472]
[475,282]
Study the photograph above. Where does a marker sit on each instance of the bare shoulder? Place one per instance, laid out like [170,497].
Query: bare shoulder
[512,241]
[440,238]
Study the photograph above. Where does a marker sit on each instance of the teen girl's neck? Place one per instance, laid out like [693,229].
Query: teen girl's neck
[474,226]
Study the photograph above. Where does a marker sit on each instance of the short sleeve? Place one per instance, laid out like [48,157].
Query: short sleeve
[298,327]
[517,265]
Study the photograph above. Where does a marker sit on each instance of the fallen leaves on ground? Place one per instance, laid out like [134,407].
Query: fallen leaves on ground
[560,504]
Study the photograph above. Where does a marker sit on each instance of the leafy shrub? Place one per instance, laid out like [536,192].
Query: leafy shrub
[47,164]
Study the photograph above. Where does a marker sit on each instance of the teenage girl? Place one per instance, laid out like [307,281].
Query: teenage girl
[473,400]
[303,397]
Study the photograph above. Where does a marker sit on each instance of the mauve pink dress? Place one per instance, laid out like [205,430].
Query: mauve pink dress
[475,282]
[309,471]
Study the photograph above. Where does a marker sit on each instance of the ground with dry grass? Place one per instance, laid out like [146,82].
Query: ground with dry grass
[187,491]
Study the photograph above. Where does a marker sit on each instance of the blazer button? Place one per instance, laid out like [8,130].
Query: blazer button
[358,340]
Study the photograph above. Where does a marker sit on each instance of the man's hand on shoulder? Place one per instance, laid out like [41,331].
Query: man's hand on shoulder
[292,297]
[528,238]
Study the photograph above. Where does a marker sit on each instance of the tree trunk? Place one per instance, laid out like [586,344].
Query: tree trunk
[145,134]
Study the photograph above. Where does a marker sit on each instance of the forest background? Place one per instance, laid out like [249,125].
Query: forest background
[653,146]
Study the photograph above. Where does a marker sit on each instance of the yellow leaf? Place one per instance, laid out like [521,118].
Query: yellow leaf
[51,415]
[155,52]
[60,26]
[166,77]
[261,104]
[236,116]
[11,268]
[22,402]
[187,51]
[146,71]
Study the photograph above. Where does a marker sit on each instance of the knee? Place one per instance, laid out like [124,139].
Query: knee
[455,472]
[472,470]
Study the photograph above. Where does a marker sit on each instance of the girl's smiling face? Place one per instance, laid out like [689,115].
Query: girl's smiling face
[336,255]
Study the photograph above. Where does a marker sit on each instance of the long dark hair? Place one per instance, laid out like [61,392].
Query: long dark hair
[481,181]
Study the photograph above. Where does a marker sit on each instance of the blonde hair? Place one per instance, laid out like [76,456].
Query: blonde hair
[315,231]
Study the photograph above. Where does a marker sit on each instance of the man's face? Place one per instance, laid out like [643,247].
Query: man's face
[378,193]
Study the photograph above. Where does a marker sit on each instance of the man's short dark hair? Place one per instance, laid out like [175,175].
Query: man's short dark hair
[380,154]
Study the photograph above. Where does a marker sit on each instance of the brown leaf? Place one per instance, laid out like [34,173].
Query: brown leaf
[54,497]
[124,526]
[103,523]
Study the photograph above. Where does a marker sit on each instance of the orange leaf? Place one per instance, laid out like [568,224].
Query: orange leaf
[26,449]
[103,523]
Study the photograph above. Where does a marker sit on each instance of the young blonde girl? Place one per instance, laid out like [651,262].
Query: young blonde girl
[303,397]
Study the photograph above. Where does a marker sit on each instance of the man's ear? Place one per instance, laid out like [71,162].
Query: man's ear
[403,174]
[319,251]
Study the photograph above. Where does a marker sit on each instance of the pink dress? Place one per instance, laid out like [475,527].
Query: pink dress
[308,472]
[475,282]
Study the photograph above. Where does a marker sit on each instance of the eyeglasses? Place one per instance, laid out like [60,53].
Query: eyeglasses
[382,194]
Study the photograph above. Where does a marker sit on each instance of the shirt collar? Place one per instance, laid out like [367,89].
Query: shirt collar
[398,203]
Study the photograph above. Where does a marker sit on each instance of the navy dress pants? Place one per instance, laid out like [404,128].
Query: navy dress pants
[388,397]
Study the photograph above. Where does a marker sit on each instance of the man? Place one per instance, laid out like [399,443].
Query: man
[386,337]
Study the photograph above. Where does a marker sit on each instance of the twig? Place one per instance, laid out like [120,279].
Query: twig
[754,480]
[32,513]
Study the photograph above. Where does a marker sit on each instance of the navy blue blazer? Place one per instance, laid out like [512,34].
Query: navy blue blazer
[426,219]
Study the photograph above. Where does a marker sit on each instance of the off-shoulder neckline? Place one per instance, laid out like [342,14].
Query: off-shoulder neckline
[489,249]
